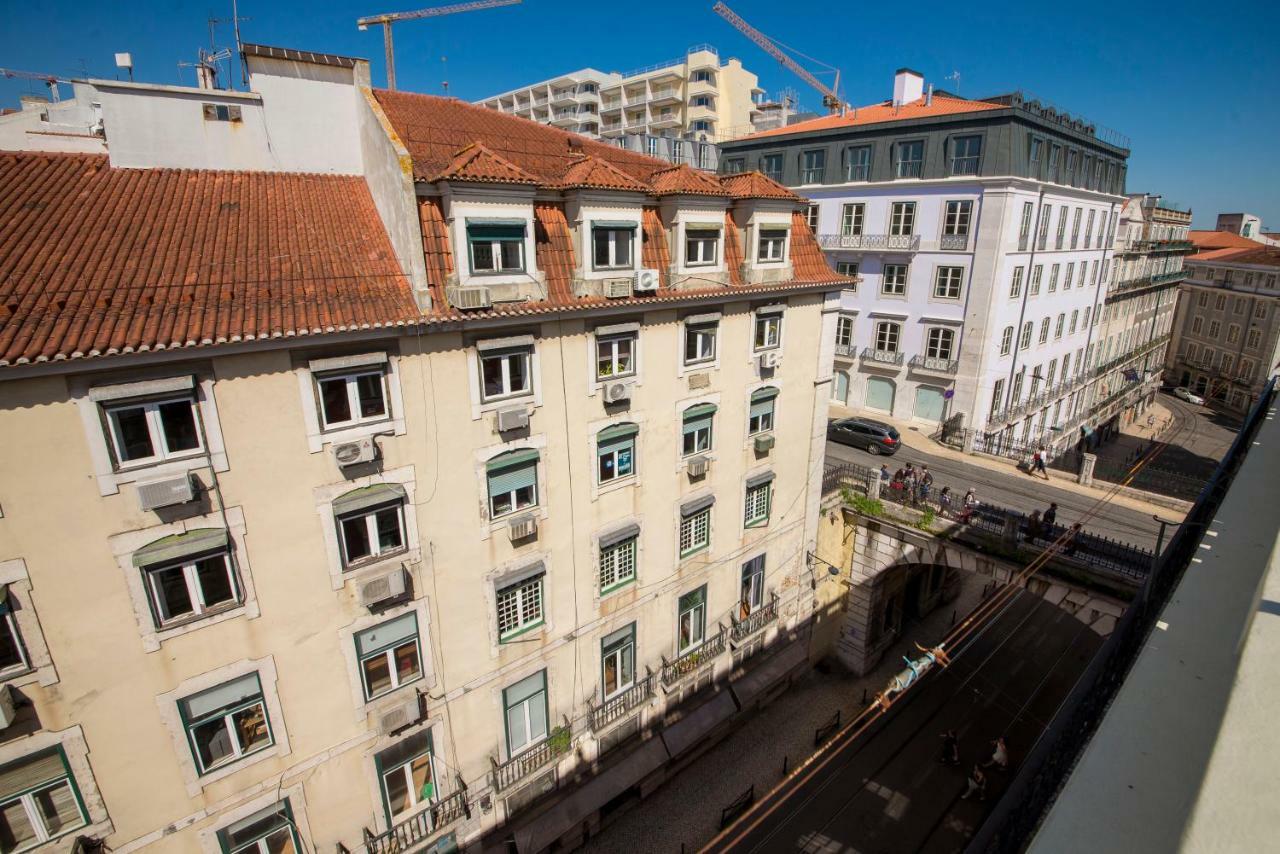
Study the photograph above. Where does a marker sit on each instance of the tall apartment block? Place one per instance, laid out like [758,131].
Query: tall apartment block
[671,110]
[446,482]
[981,232]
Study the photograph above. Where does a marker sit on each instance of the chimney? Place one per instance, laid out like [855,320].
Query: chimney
[206,76]
[908,86]
[928,96]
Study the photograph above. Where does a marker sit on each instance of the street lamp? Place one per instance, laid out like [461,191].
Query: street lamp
[1164,523]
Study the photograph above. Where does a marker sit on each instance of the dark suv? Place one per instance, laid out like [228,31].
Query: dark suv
[875,437]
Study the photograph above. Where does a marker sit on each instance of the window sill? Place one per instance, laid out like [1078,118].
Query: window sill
[217,772]
[493,404]
[145,465]
[110,483]
[371,704]
[508,638]
[353,569]
[759,523]
[684,556]
[606,592]
[337,435]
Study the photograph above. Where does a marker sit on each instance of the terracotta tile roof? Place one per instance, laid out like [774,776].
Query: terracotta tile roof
[884,111]
[553,245]
[685,179]
[1221,240]
[807,259]
[756,185]
[96,260]
[592,172]
[475,162]
[1264,255]
[732,248]
[435,246]
[653,248]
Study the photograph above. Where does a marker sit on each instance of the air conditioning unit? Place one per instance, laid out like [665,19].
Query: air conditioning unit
[399,716]
[7,710]
[360,451]
[524,526]
[771,359]
[698,466]
[514,418]
[470,297]
[616,391]
[617,288]
[646,280]
[764,442]
[166,492]
[383,588]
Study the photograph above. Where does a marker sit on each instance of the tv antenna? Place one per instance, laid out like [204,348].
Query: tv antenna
[955,75]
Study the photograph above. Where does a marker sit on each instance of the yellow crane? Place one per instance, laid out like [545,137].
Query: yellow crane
[830,94]
[392,17]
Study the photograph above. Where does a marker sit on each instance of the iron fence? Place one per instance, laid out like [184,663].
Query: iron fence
[755,621]
[417,828]
[675,670]
[618,707]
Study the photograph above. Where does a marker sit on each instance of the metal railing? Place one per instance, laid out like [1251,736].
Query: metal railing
[557,743]
[933,363]
[1024,240]
[909,168]
[847,350]
[420,826]
[882,357]
[954,242]
[616,708]
[665,92]
[675,670]
[755,621]
[908,242]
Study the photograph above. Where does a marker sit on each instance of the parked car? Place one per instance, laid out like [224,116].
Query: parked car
[1185,393]
[874,437]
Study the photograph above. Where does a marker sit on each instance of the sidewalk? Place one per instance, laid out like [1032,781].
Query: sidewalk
[916,437]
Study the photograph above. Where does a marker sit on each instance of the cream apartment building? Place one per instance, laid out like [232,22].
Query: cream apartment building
[457,493]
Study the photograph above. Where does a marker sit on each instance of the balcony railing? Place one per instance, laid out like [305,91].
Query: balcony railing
[906,242]
[675,670]
[420,826]
[847,350]
[664,93]
[935,364]
[556,744]
[954,242]
[882,357]
[616,708]
[755,621]
[1024,240]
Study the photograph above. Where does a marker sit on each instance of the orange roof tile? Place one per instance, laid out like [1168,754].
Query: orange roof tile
[1222,240]
[475,162]
[685,179]
[756,185]
[1259,254]
[884,111]
[592,172]
[653,247]
[732,249]
[553,247]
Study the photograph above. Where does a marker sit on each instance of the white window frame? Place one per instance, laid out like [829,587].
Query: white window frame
[195,591]
[1044,330]
[948,282]
[935,336]
[692,527]
[619,654]
[1015,284]
[958,217]
[610,344]
[897,285]
[238,752]
[155,431]
[844,330]
[902,219]
[311,371]
[1006,341]
[406,766]
[702,238]
[612,248]
[351,380]
[852,219]
[771,326]
[701,332]
[700,610]
[370,517]
[522,596]
[613,561]
[756,505]
[888,336]
[1024,338]
[505,355]
[772,244]
[26,801]
[388,654]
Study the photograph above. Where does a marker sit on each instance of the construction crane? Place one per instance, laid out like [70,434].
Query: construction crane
[48,79]
[830,94]
[392,17]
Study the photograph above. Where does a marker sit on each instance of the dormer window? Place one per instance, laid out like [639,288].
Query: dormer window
[611,245]
[496,247]
[700,245]
[773,243]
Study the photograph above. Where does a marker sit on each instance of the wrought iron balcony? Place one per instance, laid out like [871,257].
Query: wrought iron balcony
[954,242]
[616,708]
[888,358]
[756,621]
[420,826]
[675,670]
[557,743]
[847,350]
[935,364]
[870,242]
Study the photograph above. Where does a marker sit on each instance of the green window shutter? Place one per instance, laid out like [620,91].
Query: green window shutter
[512,458]
[223,696]
[30,772]
[368,496]
[613,223]
[622,636]
[525,688]
[702,410]
[693,599]
[179,546]
[763,394]
[617,433]
[762,407]
[387,634]
[496,232]
[511,478]
[621,535]
[697,505]
[759,479]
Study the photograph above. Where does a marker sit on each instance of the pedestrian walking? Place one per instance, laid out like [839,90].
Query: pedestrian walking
[944,501]
[1033,526]
[925,477]
[950,748]
[999,755]
[884,471]
[977,783]
[1050,517]
[1038,463]
[1074,541]
[968,506]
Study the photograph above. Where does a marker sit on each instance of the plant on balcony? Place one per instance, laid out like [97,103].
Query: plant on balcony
[558,740]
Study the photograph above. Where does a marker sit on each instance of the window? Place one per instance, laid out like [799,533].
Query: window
[768,331]
[751,593]
[153,431]
[813,167]
[997,397]
[695,527]
[702,76]
[848,268]
[887,335]
[1066,278]
[520,606]
[909,157]
[965,153]
[1075,315]
[370,522]
[650,144]
[759,495]
[226,723]
[1197,325]
[1055,156]
[1042,236]
[1228,363]
[616,452]
[734,165]
[506,372]
[615,355]
[1080,283]
[1233,334]
[1085,323]
[352,398]
[811,218]
[618,661]
[1024,227]
[1260,310]
[946,285]
[525,705]
[611,245]
[1006,341]
[697,429]
[1053,371]
[513,482]
[390,656]
[1246,370]
[844,331]
[39,801]
[1062,321]
[940,342]
[496,248]
[268,831]
[1016,394]
[1254,339]
[771,166]
[894,280]
[1214,328]
[859,167]
[1044,330]
[1037,272]
[1015,286]
[408,779]
[760,419]
[851,219]
[618,561]
[1088,228]
[1061,237]
[902,220]
[700,245]
[692,619]
[773,244]
[13,654]
[1238,305]
[1035,155]
[1024,340]
[699,342]
[188,575]
[1066,366]
[956,221]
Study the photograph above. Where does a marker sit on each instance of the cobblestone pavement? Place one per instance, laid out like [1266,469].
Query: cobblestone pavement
[685,813]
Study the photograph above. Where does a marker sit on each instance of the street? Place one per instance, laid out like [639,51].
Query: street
[886,791]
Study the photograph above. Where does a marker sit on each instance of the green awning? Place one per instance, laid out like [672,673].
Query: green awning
[512,458]
[613,223]
[513,230]
[762,394]
[366,497]
[178,546]
[701,410]
[616,432]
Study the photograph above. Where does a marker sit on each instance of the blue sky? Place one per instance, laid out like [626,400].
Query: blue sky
[1194,87]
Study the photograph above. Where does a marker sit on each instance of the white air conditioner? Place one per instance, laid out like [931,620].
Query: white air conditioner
[514,418]
[616,391]
[383,588]
[166,492]
[360,451]
[764,442]
[521,527]
[698,466]
[770,360]
[7,710]
[470,297]
[646,280]
[617,288]
[399,716]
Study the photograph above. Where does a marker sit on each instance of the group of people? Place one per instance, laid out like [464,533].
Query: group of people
[977,777]
[917,485]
